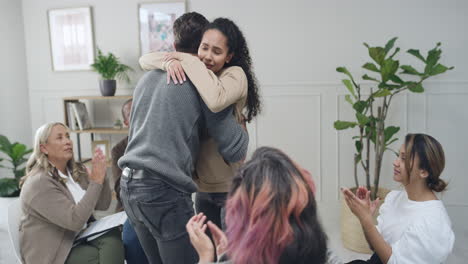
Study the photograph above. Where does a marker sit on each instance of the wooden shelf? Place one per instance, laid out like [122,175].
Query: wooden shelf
[76,98]
[94,130]
[102,130]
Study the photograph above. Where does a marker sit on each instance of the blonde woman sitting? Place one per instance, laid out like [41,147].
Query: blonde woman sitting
[58,198]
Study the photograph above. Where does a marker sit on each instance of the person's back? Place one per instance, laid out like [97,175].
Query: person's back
[156,182]
[165,124]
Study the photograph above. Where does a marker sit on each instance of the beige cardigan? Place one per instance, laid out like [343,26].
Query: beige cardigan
[50,218]
[218,92]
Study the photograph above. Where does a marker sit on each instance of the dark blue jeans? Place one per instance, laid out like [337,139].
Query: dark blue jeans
[159,214]
[134,253]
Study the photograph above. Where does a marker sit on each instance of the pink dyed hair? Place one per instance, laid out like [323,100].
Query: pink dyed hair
[266,193]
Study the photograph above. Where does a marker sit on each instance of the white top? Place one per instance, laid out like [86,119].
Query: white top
[418,232]
[75,189]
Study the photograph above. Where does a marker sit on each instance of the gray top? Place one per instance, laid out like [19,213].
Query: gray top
[165,128]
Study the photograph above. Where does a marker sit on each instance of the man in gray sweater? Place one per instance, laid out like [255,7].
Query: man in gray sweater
[163,144]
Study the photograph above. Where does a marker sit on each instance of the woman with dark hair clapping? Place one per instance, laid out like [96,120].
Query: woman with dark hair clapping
[413,225]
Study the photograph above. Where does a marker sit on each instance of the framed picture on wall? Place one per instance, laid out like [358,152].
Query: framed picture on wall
[103,145]
[71,38]
[155,20]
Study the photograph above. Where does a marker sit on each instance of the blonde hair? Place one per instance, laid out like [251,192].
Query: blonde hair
[39,162]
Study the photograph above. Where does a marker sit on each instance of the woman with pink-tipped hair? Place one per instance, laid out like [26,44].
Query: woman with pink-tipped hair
[271,216]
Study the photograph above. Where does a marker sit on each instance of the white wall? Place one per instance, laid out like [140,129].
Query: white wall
[296,46]
[15,121]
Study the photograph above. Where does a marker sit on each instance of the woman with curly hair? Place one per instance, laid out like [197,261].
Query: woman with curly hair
[223,76]
[271,216]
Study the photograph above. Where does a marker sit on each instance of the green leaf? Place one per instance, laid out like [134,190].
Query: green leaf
[340,125]
[407,69]
[18,151]
[390,131]
[416,53]
[357,158]
[19,173]
[388,69]
[345,71]
[348,99]
[350,87]
[394,78]
[9,187]
[371,131]
[377,54]
[368,78]
[371,67]
[360,106]
[390,44]
[358,145]
[438,69]
[381,93]
[391,141]
[432,59]
[416,88]
[389,86]
[394,152]
[5,145]
[394,53]
[362,119]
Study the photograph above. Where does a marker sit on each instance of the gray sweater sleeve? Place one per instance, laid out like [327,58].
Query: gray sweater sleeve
[231,137]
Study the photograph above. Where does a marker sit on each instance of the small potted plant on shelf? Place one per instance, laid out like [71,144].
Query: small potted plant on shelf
[110,69]
[371,108]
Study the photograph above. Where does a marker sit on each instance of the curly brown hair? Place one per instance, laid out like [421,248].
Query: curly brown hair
[241,57]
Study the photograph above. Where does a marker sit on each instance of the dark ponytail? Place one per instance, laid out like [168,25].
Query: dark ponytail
[431,158]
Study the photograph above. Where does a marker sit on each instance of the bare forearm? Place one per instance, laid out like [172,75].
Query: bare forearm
[375,240]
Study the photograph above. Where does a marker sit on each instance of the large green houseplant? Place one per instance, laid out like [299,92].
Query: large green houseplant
[371,109]
[110,69]
[387,78]
[16,153]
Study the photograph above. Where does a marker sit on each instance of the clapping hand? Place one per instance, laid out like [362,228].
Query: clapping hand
[360,203]
[98,173]
[219,238]
[196,228]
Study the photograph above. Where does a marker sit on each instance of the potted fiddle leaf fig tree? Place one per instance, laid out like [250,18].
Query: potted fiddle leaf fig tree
[16,153]
[388,77]
[110,69]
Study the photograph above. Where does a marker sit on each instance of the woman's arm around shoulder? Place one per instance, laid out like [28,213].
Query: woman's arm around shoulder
[218,92]
[153,61]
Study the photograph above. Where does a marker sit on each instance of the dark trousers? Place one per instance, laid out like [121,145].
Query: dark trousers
[373,260]
[213,206]
[159,213]
[134,253]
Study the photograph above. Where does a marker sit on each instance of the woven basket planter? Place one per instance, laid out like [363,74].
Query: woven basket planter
[351,230]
